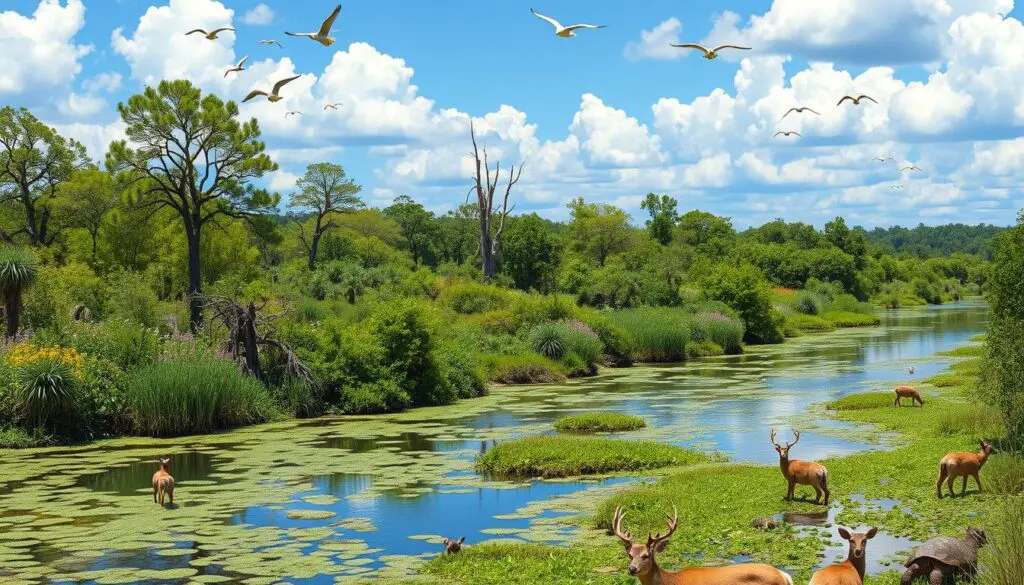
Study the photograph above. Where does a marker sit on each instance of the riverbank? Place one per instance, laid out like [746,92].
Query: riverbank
[893,490]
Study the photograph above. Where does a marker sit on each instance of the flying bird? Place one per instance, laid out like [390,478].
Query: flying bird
[272,96]
[271,42]
[333,106]
[880,159]
[911,168]
[709,53]
[784,133]
[563,31]
[855,100]
[237,68]
[895,186]
[212,35]
[321,36]
[295,113]
[798,110]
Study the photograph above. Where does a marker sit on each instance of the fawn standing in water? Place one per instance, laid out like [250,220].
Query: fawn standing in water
[163,483]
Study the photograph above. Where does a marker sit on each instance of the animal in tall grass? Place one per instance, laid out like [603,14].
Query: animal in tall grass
[801,472]
[962,464]
[644,566]
[908,392]
[943,559]
[850,571]
[453,546]
[163,483]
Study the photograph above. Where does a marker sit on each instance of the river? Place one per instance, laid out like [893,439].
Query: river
[319,501]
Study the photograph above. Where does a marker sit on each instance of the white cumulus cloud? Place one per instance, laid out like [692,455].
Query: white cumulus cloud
[260,15]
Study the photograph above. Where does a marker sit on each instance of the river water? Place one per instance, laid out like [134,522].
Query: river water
[325,500]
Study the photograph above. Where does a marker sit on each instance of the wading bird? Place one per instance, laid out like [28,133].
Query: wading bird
[271,42]
[273,95]
[709,53]
[321,36]
[212,35]
[785,133]
[237,68]
[799,110]
[333,106]
[563,31]
[855,100]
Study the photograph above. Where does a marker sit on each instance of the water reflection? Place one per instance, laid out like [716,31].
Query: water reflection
[136,476]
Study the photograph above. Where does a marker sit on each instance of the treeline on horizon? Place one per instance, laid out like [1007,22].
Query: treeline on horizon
[164,293]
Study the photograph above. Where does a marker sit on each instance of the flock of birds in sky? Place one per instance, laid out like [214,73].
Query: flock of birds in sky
[323,37]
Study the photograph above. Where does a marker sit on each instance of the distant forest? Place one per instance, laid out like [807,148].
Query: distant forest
[930,241]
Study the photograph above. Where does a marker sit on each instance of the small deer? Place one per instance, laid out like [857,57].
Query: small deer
[850,571]
[644,567]
[801,472]
[453,546]
[962,464]
[163,483]
[908,392]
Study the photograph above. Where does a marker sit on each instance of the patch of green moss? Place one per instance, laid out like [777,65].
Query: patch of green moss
[599,422]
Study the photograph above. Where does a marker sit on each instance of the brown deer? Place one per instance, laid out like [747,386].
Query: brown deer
[908,392]
[163,483]
[453,546]
[643,566]
[962,464]
[850,571]
[801,472]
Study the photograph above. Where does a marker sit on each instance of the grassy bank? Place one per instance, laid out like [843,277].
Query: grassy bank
[599,422]
[716,503]
[567,456]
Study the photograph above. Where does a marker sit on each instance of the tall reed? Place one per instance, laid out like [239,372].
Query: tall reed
[655,334]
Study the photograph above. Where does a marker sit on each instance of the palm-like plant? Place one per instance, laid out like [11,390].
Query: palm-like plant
[18,271]
[48,391]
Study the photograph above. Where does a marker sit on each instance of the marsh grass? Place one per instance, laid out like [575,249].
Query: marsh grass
[1002,559]
[1004,475]
[976,420]
[655,335]
[528,368]
[196,395]
[802,322]
[566,456]
[850,319]
[862,401]
[965,351]
[948,380]
[599,422]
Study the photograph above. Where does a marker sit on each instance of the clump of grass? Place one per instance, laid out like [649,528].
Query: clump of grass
[1002,559]
[655,335]
[1004,475]
[968,367]
[863,401]
[719,329]
[979,338]
[194,395]
[802,322]
[570,456]
[965,351]
[850,319]
[528,368]
[599,422]
[978,419]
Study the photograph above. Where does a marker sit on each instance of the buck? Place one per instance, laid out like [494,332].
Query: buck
[962,464]
[644,567]
[163,483]
[850,571]
[908,392]
[801,472]
[453,546]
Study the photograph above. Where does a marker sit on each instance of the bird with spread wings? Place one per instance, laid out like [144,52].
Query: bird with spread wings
[563,31]
[855,100]
[273,96]
[321,36]
[709,53]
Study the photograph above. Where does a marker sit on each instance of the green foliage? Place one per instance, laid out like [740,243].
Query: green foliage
[377,397]
[598,230]
[849,319]
[744,290]
[599,422]
[863,400]
[663,217]
[194,394]
[798,322]
[548,339]
[18,270]
[122,342]
[1001,561]
[719,328]
[566,456]
[1004,475]
[418,227]
[526,368]
[655,335]
[49,393]
[471,297]
[405,334]
[808,303]
[530,253]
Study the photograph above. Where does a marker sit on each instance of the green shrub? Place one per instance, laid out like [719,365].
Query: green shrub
[980,420]
[297,398]
[531,309]
[470,297]
[582,342]
[703,348]
[1001,561]
[655,334]
[549,340]
[404,330]
[461,371]
[599,422]
[565,456]
[848,303]
[724,331]
[19,438]
[802,322]
[127,344]
[49,394]
[377,397]
[847,319]
[194,395]
[530,368]
[1004,474]
[745,289]
[494,322]
[130,298]
[807,303]
[613,338]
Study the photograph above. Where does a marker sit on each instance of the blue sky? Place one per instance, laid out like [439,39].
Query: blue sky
[609,115]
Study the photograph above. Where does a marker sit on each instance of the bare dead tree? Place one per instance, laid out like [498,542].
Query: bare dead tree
[248,330]
[486,188]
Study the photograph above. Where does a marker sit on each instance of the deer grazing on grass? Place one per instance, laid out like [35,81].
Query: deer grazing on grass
[962,464]
[850,571]
[163,483]
[801,472]
[643,566]
[908,392]
[453,546]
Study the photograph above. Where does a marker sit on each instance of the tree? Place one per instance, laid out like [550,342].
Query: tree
[710,234]
[18,271]
[850,241]
[325,192]
[418,226]
[746,291]
[457,237]
[598,229]
[34,161]
[192,155]
[486,189]
[85,200]
[530,253]
[663,216]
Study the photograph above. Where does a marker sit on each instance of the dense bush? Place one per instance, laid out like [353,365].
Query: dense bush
[808,303]
[746,291]
[471,297]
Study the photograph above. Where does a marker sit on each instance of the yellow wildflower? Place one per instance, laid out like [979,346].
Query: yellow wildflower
[26,353]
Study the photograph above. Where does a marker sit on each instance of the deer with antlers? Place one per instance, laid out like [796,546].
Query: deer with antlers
[801,472]
[644,567]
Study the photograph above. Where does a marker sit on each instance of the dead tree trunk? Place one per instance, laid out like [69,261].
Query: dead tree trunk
[486,188]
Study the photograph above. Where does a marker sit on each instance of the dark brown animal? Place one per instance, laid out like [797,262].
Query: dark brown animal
[908,392]
[850,571]
[767,523]
[962,464]
[163,483]
[944,557]
[801,472]
[643,566]
[453,546]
